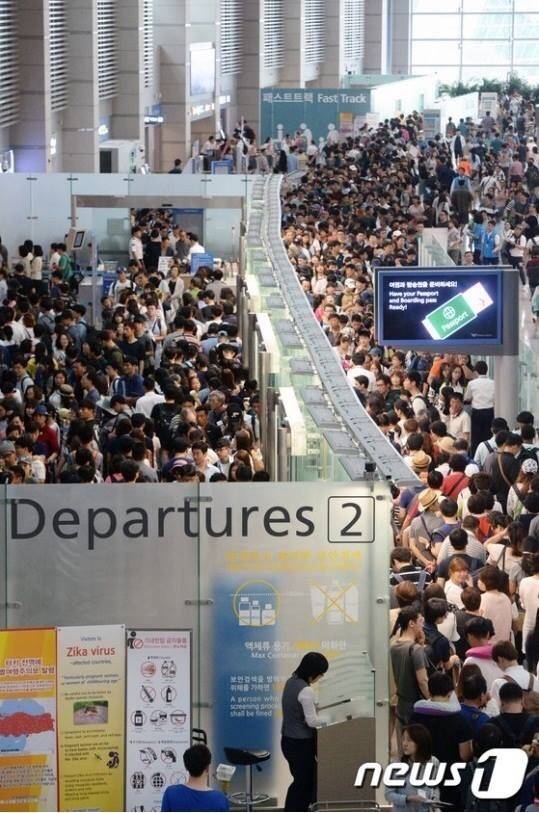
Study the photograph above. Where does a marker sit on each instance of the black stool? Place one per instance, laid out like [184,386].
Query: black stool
[247,757]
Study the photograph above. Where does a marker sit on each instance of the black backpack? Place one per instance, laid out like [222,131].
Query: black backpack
[430,643]
[528,454]
[163,419]
[471,801]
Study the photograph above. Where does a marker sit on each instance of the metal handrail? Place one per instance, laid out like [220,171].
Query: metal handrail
[363,431]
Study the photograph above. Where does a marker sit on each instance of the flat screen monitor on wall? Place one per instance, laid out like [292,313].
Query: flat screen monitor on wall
[202,69]
[438,309]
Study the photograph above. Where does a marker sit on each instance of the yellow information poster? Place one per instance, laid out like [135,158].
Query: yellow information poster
[91,717]
[28,772]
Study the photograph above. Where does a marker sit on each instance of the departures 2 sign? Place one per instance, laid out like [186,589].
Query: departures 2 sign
[432,308]
[96,519]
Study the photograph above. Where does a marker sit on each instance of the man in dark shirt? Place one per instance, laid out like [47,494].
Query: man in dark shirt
[518,727]
[402,570]
[438,647]
[471,598]
[131,346]
[145,341]
[451,734]
[177,168]
[506,468]
[132,384]
[162,415]
[474,699]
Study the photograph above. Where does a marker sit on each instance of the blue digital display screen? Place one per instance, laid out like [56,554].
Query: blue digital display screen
[439,307]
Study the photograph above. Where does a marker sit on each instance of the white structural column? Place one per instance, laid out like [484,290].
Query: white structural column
[400,20]
[332,68]
[250,78]
[376,35]
[81,118]
[170,20]
[293,71]
[506,380]
[127,113]
[204,27]
[30,137]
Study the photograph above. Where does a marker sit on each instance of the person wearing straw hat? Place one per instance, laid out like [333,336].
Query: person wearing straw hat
[446,444]
[424,526]
[420,464]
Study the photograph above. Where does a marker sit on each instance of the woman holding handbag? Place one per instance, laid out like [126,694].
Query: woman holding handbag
[519,489]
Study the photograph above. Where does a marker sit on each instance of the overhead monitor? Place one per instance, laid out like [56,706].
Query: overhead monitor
[440,308]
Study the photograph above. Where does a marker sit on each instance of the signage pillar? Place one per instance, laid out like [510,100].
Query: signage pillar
[507,387]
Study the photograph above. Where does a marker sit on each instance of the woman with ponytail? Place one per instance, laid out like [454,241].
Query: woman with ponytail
[409,662]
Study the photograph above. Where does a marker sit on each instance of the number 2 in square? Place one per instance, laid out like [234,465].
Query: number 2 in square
[350,520]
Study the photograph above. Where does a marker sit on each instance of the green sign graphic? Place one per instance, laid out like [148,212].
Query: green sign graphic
[458,311]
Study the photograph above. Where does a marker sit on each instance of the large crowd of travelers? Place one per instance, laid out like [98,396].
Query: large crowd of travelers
[156,392]
[464,570]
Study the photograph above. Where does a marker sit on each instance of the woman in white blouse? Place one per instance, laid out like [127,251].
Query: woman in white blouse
[300,721]
[36,265]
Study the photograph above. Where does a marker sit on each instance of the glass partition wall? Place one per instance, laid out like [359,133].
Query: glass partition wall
[261,575]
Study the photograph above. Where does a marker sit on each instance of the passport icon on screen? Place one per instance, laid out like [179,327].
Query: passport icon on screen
[457,312]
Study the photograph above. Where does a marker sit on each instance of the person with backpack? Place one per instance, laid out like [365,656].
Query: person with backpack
[163,414]
[408,662]
[457,480]
[65,266]
[517,726]
[474,698]
[415,507]
[471,601]
[530,512]
[505,655]
[423,528]
[451,734]
[402,569]
[530,449]
[448,510]
[437,646]
[412,383]
[461,547]
[521,487]
[505,466]
[489,446]
[505,552]
[486,738]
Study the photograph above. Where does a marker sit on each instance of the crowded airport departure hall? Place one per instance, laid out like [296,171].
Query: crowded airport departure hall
[270,268]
